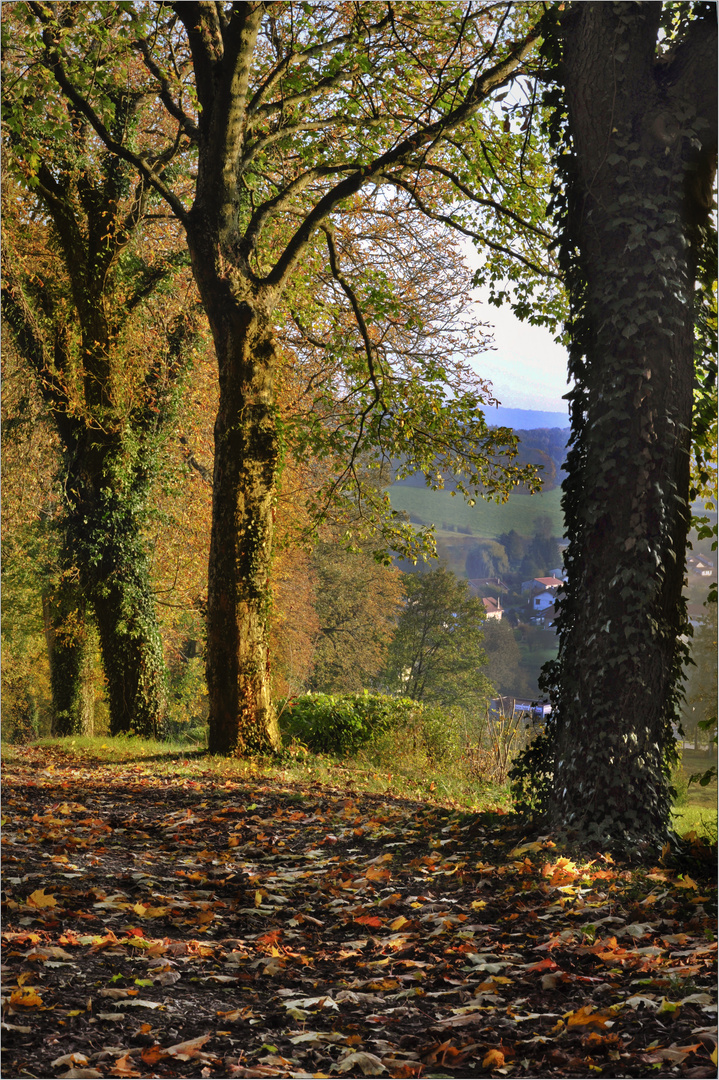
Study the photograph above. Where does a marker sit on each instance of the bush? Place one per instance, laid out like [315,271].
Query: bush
[341,724]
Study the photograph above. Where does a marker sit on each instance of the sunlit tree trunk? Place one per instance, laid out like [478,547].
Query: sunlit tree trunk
[242,719]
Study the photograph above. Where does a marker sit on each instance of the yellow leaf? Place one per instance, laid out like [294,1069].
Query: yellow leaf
[536,845]
[494,1059]
[258,897]
[398,923]
[685,882]
[476,905]
[714,1056]
[29,999]
[39,899]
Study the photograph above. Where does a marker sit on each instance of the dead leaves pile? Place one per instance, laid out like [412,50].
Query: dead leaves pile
[164,927]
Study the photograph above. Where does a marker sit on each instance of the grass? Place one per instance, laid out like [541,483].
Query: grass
[384,770]
[485,519]
[699,819]
[696,809]
[391,770]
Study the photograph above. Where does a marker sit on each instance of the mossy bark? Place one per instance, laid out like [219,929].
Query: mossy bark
[242,719]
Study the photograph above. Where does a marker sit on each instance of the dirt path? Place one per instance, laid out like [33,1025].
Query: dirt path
[165,927]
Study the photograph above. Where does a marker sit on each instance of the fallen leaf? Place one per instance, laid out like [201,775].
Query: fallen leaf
[187,1049]
[28,999]
[587,1017]
[40,899]
[494,1059]
[69,1059]
[368,1063]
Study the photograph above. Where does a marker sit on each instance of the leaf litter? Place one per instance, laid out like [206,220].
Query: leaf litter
[171,927]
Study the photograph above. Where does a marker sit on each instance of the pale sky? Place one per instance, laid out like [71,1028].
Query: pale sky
[528,370]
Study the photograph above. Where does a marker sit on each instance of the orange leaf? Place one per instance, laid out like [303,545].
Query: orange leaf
[376,873]
[494,1059]
[586,1017]
[123,1067]
[389,900]
[27,998]
[368,920]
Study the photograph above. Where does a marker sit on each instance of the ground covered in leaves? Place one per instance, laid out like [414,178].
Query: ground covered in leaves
[160,926]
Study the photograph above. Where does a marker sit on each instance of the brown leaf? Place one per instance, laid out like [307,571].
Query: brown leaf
[186,1050]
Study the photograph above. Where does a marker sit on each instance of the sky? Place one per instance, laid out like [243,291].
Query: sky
[528,370]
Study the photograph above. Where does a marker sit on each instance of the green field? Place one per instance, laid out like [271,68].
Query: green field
[487,519]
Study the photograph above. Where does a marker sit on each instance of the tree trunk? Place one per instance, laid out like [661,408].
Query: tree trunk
[108,492]
[622,615]
[71,655]
[242,719]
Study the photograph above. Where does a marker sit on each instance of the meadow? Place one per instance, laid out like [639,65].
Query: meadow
[486,519]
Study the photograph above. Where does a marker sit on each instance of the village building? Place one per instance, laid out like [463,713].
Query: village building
[492,608]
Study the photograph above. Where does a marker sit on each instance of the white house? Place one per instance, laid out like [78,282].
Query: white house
[699,565]
[541,584]
[543,600]
[492,607]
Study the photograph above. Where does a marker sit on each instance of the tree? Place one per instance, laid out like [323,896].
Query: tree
[634,128]
[504,668]
[488,559]
[357,600]
[543,549]
[76,288]
[293,111]
[436,655]
[514,545]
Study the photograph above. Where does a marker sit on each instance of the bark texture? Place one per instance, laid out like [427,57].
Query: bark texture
[644,144]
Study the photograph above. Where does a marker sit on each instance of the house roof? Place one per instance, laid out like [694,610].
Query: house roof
[491,604]
[484,584]
[549,582]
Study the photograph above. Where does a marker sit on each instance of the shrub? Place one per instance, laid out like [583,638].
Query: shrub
[341,724]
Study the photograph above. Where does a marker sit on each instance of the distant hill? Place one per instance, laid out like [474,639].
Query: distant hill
[543,446]
[525,419]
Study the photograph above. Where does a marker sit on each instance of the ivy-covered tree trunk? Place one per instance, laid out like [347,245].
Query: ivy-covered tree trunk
[68,634]
[639,179]
[107,494]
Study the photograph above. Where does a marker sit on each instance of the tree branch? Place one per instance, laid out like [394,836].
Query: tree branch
[481,239]
[54,64]
[404,154]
